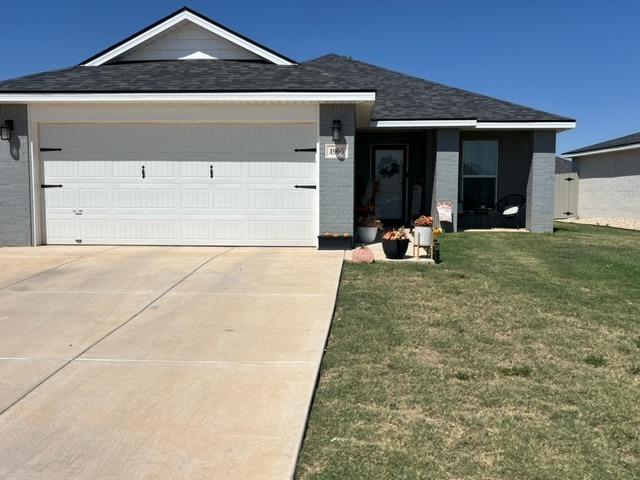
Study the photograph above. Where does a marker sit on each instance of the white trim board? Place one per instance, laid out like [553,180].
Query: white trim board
[313,97]
[603,150]
[423,123]
[559,126]
[197,20]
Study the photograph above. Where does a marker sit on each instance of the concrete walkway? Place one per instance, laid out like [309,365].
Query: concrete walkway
[154,362]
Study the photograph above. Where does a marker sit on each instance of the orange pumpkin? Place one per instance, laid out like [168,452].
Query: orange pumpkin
[362,255]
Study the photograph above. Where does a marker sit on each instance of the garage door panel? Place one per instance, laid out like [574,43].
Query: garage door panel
[60,198]
[129,230]
[94,197]
[94,229]
[202,185]
[128,198]
[228,199]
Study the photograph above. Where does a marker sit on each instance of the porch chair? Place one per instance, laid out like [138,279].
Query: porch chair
[509,207]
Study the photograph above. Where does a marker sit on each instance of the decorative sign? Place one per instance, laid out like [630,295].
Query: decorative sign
[445,211]
[331,150]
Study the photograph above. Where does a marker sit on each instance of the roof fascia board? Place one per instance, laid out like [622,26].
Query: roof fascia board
[174,20]
[466,123]
[558,126]
[602,150]
[344,97]
[423,123]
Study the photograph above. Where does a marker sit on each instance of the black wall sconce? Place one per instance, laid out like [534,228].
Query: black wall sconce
[5,130]
[336,128]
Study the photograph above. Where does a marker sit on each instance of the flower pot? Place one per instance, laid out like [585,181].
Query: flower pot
[423,236]
[395,248]
[367,234]
[339,242]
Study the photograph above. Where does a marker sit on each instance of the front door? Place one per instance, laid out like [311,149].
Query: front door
[389,165]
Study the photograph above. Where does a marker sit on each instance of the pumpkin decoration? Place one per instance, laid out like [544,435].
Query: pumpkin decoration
[362,255]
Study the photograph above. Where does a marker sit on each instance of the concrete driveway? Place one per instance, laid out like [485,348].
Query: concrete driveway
[154,362]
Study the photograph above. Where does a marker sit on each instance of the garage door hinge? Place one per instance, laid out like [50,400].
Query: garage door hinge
[314,149]
[44,149]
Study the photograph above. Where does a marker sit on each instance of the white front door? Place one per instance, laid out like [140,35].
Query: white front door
[220,184]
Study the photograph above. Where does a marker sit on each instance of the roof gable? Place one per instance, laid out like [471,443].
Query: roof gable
[186,34]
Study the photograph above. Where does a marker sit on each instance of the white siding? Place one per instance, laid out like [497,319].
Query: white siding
[610,185]
[188,41]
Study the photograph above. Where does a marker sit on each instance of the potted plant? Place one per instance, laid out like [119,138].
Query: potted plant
[423,230]
[367,224]
[335,241]
[395,243]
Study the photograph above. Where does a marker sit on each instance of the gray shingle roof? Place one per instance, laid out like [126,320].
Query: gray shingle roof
[616,142]
[398,96]
[404,97]
[178,76]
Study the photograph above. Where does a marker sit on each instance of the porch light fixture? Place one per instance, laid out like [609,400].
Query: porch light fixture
[6,129]
[335,130]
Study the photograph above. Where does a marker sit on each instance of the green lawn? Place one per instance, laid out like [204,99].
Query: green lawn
[516,358]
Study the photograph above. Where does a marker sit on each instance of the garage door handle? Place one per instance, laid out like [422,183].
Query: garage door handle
[48,185]
[310,187]
[143,174]
[210,171]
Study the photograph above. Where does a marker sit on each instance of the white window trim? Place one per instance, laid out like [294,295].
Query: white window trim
[463,175]
[180,17]
[603,150]
[251,97]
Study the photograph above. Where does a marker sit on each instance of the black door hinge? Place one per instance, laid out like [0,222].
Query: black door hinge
[44,149]
[314,150]
[310,187]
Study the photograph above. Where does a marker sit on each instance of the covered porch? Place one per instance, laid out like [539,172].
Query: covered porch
[403,172]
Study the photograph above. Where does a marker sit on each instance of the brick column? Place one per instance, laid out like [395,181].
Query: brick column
[15,196]
[541,182]
[446,175]
[336,182]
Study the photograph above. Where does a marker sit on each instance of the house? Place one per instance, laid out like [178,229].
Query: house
[609,174]
[564,165]
[189,133]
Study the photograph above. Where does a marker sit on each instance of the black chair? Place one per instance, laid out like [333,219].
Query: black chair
[510,207]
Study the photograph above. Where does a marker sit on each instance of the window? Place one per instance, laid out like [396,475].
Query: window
[479,173]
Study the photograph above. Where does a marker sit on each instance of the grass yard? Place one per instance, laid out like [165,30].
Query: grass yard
[517,358]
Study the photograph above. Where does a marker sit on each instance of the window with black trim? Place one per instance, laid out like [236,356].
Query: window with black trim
[479,173]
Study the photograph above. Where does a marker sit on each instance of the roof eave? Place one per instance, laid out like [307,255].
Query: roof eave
[558,126]
[584,153]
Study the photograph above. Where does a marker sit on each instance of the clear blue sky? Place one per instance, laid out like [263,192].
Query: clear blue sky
[575,58]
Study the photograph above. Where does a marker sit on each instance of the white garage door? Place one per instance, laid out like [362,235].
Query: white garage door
[179,184]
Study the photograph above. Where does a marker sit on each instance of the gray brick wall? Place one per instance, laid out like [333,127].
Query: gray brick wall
[15,200]
[609,185]
[337,176]
[445,180]
[541,183]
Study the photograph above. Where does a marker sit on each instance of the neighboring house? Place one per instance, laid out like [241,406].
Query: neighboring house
[189,133]
[564,165]
[609,174]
